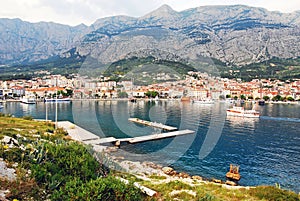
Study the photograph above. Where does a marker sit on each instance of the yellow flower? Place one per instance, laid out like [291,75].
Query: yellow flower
[15,200]
[5,146]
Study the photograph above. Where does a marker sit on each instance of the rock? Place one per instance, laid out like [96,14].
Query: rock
[196,177]
[7,173]
[118,143]
[183,175]
[152,165]
[10,140]
[168,170]
[111,149]
[3,194]
[217,181]
[231,183]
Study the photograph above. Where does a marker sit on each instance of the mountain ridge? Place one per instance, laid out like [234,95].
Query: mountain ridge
[236,35]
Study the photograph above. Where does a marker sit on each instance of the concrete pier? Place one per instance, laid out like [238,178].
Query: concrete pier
[152,124]
[82,135]
[160,136]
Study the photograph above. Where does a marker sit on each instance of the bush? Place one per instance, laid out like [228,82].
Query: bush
[28,118]
[56,164]
[272,193]
[108,188]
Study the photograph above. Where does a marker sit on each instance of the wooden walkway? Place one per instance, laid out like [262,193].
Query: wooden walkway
[153,124]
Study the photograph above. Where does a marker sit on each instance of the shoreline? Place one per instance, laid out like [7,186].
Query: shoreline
[161,99]
[139,169]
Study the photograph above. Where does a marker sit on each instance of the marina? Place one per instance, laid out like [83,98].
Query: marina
[153,124]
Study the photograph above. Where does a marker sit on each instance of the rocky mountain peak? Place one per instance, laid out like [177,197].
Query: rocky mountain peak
[234,34]
[163,12]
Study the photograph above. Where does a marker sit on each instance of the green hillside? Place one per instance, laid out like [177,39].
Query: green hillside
[150,68]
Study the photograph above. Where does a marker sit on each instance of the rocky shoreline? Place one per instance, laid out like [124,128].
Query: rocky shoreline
[144,170]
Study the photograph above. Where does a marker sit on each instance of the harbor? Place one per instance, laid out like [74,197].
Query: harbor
[261,136]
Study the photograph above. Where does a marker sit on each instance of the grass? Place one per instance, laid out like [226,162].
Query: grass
[50,166]
[216,192]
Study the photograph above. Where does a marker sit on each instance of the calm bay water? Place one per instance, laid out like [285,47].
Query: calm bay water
[267,149]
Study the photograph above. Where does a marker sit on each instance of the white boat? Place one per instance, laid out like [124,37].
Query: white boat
[241,112]
[204,101]
[47,100]
[29,99]
[1,106]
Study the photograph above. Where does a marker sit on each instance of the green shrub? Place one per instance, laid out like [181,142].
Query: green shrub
[61,163]
[273,194]
[108,188]
[28,118]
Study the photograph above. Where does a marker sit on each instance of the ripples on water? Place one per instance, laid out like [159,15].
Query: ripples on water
[267,149]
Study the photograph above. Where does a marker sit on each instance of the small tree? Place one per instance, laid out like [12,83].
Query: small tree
[122,94]
[221,97]
[151,94]
[290,98]
[228,96]
[243,97]
[266,98]
[277,98]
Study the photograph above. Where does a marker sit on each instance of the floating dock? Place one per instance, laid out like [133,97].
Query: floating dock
[152,124]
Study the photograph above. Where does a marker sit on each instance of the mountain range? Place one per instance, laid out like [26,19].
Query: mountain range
[235,35]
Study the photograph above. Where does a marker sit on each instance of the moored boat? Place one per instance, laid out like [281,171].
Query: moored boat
[57,99]
[241,112]
[30,99]
[261,102]
[204,101]
[186,98]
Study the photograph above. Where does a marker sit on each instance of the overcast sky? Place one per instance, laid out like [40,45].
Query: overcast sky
[74,12]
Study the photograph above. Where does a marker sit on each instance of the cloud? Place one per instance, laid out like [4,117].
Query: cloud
[74,12]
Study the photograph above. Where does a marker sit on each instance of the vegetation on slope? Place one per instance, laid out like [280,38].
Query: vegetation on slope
[133,67]
[49,166]
[276,68]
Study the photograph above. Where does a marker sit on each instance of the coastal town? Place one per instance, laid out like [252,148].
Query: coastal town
[196,85]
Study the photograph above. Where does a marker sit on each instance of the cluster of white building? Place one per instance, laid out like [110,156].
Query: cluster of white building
[195,85]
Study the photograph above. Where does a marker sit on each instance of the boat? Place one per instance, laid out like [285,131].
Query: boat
[48,100]
[29,99]
[233,173]
[241,112]
[204,101]
[133,100]
[1,106]
[185,98]
[261,102]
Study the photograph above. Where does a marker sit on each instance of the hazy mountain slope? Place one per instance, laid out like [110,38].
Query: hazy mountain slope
[22,41]
[233,34]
